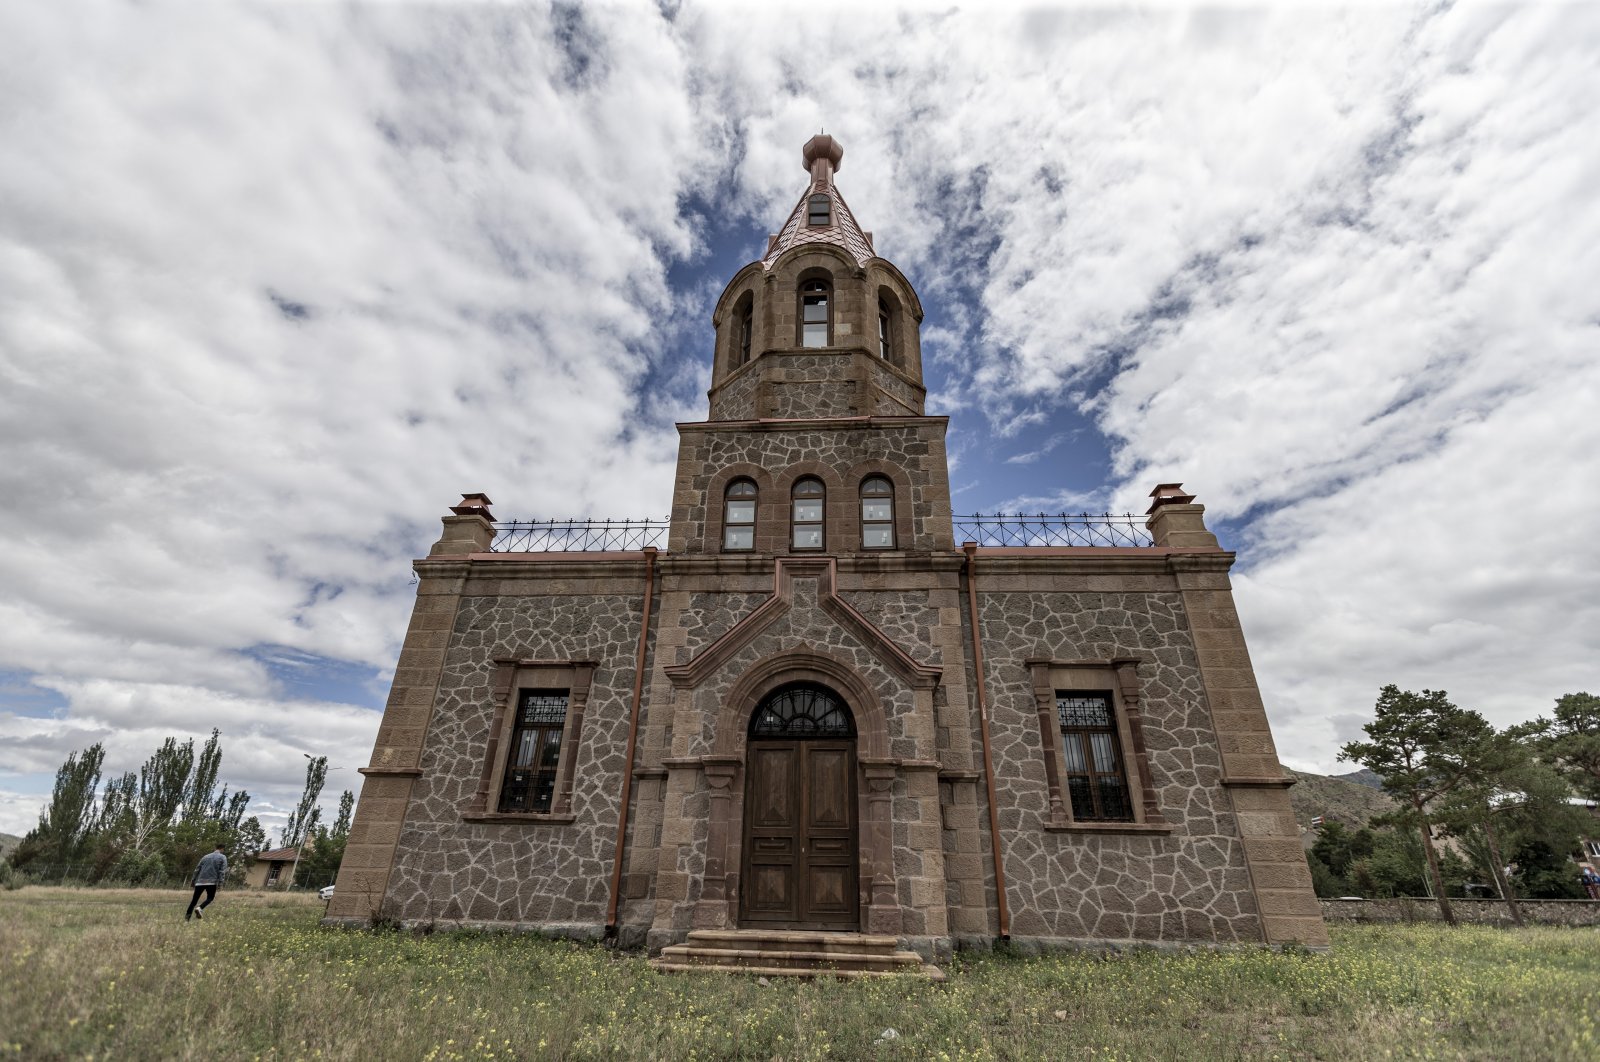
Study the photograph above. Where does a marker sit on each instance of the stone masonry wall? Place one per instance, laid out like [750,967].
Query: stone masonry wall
[543,873]
[808,384]
[914,608]
[909,450]
[1187,885]
[1476,912]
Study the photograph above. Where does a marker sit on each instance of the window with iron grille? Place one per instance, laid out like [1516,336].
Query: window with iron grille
[1096,782]
[802,710]
[530,778]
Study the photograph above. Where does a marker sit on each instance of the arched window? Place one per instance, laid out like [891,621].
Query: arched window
[739,515]
[885,332]
[802,710]
[877,513]
[819,210]
[808,503]
[814,316]
[746,331]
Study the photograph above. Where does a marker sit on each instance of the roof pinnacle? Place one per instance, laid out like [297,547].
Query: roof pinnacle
[822,157]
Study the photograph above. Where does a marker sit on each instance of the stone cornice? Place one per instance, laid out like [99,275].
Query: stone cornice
[1269,782]
[809,424]
[1099,560]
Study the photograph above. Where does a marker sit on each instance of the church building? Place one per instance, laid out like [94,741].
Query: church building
[816,714]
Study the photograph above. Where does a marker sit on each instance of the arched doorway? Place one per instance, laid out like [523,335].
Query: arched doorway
[799,856]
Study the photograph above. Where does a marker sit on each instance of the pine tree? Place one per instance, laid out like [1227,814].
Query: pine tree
[1425,748]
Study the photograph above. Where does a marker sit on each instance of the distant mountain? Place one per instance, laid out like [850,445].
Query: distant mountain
[7,843]
[1362,777]
[1344,798]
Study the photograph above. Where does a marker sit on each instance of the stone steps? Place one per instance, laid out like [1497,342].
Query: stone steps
[790,953]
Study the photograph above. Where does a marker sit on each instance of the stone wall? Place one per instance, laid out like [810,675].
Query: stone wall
[555,874]
[812,384]
[1186,883]
[910,451]
[1474,911]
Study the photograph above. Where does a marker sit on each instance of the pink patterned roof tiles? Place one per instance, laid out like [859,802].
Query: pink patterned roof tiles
[822,156]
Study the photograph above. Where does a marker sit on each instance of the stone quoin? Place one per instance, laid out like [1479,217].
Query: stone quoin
[815,710]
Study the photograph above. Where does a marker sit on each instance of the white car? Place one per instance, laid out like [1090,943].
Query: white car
[325,893]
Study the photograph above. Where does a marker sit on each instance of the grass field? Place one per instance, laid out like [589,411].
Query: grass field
[119,974]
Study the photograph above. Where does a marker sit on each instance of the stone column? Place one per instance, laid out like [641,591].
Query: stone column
[397,755]
[712,910]
[1256,783]
[883,906]
[1128,684]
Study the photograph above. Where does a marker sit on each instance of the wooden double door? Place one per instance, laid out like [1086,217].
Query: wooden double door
[800,854]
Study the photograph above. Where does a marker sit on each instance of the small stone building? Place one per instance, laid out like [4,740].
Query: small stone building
[819,707]
[272,869]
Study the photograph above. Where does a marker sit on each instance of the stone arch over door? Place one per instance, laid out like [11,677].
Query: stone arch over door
[782,669]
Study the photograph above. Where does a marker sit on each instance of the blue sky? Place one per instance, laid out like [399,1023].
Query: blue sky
[279,283]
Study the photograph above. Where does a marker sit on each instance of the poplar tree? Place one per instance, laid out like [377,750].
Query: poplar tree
[306,814]
[69,819]
[163,781]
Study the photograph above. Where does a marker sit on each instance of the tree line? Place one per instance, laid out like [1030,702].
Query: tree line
[151,826]
[1472,803]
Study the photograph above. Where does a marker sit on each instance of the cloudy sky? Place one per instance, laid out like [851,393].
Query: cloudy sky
[278,283]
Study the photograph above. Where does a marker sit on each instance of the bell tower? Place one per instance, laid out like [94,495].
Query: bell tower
[816,442]
[820,325]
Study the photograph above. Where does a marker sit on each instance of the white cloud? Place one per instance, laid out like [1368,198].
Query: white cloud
[277,283]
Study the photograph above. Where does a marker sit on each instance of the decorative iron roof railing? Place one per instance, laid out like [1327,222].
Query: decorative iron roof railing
[997,529]
[577,536]
[1046,529]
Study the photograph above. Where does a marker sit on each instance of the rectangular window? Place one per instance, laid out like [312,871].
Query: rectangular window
[814,321]
[808,524]
[535,757]
[877,523]
[739,530]
[818,210]
[272,874]
[1096,782]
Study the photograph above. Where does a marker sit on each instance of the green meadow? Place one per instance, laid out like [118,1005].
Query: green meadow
[118,974]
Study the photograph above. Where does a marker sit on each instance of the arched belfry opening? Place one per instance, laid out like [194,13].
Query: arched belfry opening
[800,855]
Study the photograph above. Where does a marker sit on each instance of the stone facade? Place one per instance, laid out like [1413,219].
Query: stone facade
[965,814]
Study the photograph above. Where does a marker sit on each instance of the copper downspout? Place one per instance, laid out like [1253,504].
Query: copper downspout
[971,549]
[633,739]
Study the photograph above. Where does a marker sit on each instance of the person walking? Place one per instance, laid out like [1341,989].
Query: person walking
[208,875]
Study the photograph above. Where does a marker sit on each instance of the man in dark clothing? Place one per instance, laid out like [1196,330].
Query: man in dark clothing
[208,875]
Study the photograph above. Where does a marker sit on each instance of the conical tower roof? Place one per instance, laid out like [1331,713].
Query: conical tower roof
[822,156]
